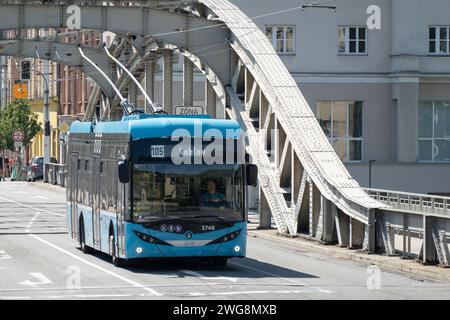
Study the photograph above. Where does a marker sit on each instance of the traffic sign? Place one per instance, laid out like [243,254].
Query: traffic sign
[63,128]
[18,135]
[189,110]
[20,91]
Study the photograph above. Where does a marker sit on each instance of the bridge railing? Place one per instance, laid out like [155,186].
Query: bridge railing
[414,225]
[55,174]
[420,203]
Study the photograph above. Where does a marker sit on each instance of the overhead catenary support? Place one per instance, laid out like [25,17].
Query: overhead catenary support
[188,82]
[168,81]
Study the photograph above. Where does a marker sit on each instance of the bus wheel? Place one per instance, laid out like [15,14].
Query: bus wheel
[222,262]
[83,246]
[112,250]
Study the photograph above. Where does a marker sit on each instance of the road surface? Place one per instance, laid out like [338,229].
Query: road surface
[38,260]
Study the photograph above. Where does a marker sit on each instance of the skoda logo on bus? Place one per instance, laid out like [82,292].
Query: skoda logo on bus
[18,135]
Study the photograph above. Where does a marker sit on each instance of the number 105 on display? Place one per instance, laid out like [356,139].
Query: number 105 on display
[157,151]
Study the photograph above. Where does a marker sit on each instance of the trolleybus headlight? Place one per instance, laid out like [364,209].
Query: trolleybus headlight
[226,238]
[237,248]
[139,250]
[150,239]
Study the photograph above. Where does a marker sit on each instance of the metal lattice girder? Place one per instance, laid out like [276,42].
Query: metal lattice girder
[61,52]
[295,122]
[162,25]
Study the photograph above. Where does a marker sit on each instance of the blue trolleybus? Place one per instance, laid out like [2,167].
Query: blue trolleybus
[158,186]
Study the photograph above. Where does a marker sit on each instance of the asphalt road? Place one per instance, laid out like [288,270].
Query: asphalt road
[38,260]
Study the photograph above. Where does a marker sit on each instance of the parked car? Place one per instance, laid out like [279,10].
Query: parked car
[35,170]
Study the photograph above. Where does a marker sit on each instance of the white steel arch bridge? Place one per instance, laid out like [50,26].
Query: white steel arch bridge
[303,185]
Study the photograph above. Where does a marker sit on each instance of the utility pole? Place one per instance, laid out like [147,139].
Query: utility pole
[4,83]
[45,73]
[46,114]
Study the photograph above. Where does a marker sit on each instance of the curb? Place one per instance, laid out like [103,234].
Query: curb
[384,262]
[51,187]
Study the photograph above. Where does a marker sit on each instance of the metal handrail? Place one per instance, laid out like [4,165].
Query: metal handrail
[421,203]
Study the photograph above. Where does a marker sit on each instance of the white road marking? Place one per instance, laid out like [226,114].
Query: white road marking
[15,298]
[40,197]
[31,222]
[204,277]
[231,293]
[40,277]
[183,294]
[4,255]
[133,283]
[21,192]
[30,207]
[85,296]
[278,276]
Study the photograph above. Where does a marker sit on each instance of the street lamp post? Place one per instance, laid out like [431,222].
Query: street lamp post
[370,172]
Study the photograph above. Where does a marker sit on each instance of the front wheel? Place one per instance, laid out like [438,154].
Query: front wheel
[222,262]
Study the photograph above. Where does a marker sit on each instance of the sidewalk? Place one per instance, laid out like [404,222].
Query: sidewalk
[393,264]
[51,187]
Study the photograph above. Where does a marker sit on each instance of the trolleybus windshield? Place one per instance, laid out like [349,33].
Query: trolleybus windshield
[167,191]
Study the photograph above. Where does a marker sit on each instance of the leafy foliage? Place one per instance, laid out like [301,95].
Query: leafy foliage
[17,115]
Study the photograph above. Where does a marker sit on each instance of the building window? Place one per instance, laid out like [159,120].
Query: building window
[341,121]
[282,38]
[434,131]
[352,40]
[439,40]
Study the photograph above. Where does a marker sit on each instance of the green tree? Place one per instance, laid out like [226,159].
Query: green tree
[17,115]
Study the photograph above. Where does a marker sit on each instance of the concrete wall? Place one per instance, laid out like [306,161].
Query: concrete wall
[417,178]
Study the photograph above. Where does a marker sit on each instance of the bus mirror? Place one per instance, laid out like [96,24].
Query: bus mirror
[252,175]
[124,175]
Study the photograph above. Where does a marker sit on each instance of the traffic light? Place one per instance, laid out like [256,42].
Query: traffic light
[25,70]
[47,128]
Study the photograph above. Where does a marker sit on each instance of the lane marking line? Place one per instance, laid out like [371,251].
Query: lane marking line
[32,221]
[85,296]
[267,273]
[40,197]
[231,293]
[205,277]
[4,255]
[280,277]
[39,276]
[125,279]
[30,207]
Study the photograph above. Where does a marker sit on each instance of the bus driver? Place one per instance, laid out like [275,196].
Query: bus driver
[211,198]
